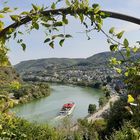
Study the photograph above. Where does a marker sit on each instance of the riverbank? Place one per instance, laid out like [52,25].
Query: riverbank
[99,114]
[31,91]
[101,111]
[96,85]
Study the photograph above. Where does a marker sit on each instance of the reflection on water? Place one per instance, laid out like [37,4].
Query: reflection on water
[46,109]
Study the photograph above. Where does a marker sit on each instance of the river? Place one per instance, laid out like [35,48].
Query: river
[44,110]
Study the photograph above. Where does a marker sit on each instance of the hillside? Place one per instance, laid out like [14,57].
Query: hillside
[7,75]
[9,78]
[92,71]
[48,63]
[96,60]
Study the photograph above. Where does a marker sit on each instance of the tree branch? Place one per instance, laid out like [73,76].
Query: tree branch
[70,11]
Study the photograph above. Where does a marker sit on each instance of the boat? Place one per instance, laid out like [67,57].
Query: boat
[67,109]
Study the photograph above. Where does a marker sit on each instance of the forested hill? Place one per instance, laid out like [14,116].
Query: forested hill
[42,64]
[97,60]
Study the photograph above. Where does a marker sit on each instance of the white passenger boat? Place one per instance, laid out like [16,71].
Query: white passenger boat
[66,110]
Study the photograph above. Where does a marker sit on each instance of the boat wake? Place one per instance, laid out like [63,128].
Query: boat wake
[59,117]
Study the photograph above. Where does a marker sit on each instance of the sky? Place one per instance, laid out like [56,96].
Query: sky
[78,46]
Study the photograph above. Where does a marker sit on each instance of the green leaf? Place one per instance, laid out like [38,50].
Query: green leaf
[53,6]
[35,7]
[36,25]
[10,30]
[128,52]
[19,32]
[103,15]
[67,2]
[118,70]
[1,16]
[126,73]
[114,47]
[60,35]
[119,35]
[99,26]
[47,40]
[113,61]
[19,40]
[96,8]
[16,8]
[135,49]
[61,42]
[23,46]
[24,13]
[51,44]
[1,25]
[6,9]
[125,43]
[54,36]
[111,31]
[68,36]
[55,29]
[64,19]
[15,34]
[59,23]
[46,25]
[15,18]
[81,17]
[99,20]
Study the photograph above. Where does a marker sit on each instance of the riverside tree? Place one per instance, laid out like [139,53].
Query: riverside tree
[91,108]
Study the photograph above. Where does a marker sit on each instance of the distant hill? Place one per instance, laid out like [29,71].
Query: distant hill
[95,61]
[48,63]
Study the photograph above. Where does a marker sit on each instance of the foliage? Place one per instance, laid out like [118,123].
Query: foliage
[7,76]
[3,56]
[87,130]
[91,108]
[18,129]
[15,85]
[97,85]
[29,92]
[102,101]
[5,103]
[128,66]
[127,132]
[117,115]
[109,79]
[92,130]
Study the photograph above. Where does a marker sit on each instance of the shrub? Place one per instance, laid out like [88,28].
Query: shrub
[127,132]
[117,115]
[32,91]
[91,108]
[14,128]
[102,101]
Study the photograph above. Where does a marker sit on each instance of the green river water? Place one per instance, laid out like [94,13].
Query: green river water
[45,110]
